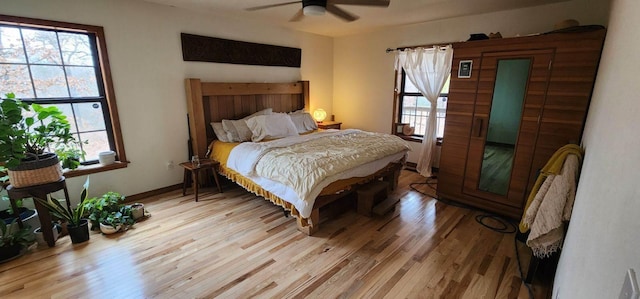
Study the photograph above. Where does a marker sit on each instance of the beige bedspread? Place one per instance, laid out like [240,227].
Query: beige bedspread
[305,164]
[317,159]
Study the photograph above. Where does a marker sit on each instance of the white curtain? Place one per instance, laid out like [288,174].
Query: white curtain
[428,70]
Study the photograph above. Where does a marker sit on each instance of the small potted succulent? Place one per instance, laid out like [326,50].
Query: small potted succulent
[27,131]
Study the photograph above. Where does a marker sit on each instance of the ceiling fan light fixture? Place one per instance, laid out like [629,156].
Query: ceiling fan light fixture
[313,10]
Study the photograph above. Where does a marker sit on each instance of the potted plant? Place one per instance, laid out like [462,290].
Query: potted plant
[112,223]
[99,208]
[12,242]
[27,216]
[26,132]
[39,235]
[70,154]
[77,225]
[137,211]
[108,214]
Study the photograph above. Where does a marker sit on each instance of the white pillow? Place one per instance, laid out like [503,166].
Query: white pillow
[277,125]
[220,132]
[232,133]
[303,121]
[237,130]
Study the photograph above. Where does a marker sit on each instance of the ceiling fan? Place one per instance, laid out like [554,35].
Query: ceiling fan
[319,7]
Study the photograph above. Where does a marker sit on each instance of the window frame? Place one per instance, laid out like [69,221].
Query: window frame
[112,122]
[400,94]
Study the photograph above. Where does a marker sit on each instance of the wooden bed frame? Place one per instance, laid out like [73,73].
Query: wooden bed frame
[212,102]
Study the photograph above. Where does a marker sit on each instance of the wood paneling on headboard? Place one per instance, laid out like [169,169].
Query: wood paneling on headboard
[212,102]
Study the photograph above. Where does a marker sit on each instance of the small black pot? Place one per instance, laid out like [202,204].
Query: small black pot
[79,233]
[9,252]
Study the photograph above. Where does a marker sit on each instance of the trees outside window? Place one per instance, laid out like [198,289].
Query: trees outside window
[63,65]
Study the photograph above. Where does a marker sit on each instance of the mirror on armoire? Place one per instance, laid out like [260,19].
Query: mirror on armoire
[509,92]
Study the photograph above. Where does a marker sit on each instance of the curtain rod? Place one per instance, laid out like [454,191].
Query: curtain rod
[389,50]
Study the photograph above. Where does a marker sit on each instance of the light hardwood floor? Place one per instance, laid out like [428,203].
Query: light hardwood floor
[234,245]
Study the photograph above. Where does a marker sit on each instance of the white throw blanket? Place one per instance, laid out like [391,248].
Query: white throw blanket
[551,206]
[302,162]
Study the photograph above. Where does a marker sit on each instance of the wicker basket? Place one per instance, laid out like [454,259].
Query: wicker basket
[45,169]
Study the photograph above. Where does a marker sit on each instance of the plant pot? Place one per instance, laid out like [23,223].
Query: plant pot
[22,211]
[108,229]
[40,237]
[107,158]
[79,233]
[137,211]
[44,169]
[9,252]
[28,217]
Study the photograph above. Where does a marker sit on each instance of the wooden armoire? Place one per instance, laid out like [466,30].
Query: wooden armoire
[511,106]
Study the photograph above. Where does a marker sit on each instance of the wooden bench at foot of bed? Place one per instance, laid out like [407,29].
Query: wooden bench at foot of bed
[390,174]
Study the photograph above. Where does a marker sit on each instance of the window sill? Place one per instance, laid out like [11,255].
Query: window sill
[410,138]
[417,139]
[89,169]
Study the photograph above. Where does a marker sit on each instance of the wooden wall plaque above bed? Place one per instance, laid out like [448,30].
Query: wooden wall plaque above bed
[213,49]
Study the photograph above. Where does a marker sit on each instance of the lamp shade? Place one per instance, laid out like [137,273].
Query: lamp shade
[319,115]
[313,10]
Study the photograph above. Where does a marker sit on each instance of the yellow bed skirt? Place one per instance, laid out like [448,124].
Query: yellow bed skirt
[220,152]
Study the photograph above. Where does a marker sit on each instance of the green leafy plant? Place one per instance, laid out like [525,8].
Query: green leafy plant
[9,208]
[72,216]
[70,154]
[27,130]
[126,215]
[121,217]
[4,177]
[108,209]
[22,236]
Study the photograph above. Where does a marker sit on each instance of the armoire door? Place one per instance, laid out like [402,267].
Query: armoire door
[508,104]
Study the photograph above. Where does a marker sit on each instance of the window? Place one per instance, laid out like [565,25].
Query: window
[414,107]
[64,65]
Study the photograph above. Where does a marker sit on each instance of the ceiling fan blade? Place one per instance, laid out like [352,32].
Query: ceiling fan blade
[340,13]
[384,3]
[297,17]
[271,5]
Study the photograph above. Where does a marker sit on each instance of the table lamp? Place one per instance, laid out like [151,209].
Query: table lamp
[319,115]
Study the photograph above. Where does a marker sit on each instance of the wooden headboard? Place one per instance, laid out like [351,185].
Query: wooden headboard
[209,102]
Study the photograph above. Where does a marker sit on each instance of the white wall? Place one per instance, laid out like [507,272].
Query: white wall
[145,53]
[363,72]
[602,240]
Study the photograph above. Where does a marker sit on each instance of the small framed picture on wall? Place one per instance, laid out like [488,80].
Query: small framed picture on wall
[464,70]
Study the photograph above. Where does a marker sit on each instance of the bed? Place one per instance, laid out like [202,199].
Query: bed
[212,102]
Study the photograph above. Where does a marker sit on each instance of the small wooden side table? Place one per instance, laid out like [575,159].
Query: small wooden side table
[40,191]
[195,171]
[329,125]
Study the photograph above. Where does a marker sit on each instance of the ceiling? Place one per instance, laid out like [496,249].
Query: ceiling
[399,12]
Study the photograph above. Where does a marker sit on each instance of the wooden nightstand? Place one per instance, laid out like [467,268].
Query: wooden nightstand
[329,125]
[195,170]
